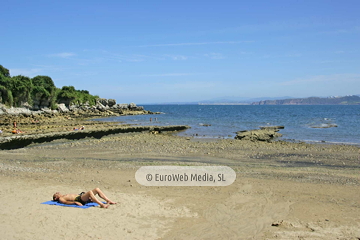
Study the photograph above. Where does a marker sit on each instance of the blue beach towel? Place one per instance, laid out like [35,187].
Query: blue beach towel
[92,204]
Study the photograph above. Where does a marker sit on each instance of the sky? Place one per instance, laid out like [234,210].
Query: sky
[151,51]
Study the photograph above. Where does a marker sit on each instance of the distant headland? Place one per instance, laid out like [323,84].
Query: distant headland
[345,100]
[333,100]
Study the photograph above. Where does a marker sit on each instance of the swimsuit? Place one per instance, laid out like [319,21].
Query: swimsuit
[78,199]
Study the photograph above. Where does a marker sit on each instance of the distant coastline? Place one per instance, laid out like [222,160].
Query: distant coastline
[333,100]
[224,104]
[346,100]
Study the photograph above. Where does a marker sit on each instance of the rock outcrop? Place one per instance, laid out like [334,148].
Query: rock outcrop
[263,134]
[19,141]
[275,128]
[103,108]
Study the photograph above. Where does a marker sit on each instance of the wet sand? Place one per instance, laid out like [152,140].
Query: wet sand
[282,190]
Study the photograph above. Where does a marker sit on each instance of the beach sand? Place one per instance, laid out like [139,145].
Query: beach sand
[282,190]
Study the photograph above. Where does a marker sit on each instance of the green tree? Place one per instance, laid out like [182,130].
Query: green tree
[45,82]
[5,87]
[6,96]
[66,95]
[21,87]
[39,90]
[44,91]
[5,79]
[4,71]
[69,95]
[83,96]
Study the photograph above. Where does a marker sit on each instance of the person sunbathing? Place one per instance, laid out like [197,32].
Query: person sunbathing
[81,128]
[16,131]
[83,198]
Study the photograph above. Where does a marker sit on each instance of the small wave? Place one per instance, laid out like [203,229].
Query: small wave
[331,142]
[204,124]
[324,125]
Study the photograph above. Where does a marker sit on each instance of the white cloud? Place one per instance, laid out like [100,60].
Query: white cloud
[176,57]
[294,55]
[285,55]
[63,55]
[214,55]
[131,57]
[193,43]
[134,60]
[166,75]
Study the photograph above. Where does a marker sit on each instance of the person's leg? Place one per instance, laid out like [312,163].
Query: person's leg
[102,195]
[90,195]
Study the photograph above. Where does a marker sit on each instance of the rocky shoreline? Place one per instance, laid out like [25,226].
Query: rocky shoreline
[64,118]
[23,126]
[19,141]
[102,108]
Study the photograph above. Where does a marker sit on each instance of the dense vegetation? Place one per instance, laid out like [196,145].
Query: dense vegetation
[39,91]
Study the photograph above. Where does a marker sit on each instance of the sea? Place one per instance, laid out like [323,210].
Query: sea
[338,124]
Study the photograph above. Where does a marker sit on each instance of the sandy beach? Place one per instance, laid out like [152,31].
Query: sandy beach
[282,190]
[180,120]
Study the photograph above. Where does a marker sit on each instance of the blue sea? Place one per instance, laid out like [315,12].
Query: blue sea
[223,121]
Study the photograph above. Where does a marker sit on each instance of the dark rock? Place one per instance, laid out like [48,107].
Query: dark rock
[132,106]
[103,101]
[111,102]
[121,106]
[101,107]
[277,224]
[258,135]
[272,127]
[20,141]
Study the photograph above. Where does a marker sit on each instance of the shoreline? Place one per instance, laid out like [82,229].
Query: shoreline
[298,124]
[62,125]
[327,142]
[282,190]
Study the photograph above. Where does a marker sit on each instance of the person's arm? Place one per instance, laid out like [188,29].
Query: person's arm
[68,202]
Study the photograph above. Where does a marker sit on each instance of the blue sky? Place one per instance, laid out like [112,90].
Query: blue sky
[170,51]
